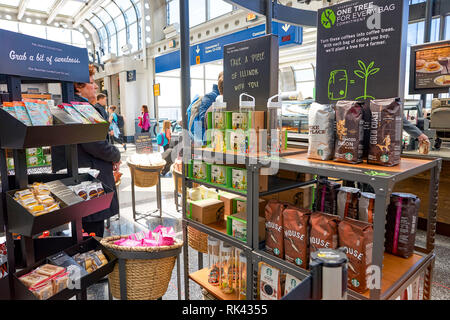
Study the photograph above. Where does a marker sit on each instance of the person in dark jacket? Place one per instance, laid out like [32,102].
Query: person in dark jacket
[100,106]
[100,155]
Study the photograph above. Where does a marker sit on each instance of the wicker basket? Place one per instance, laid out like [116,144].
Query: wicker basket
[146,279]
[197,240]
[145,179]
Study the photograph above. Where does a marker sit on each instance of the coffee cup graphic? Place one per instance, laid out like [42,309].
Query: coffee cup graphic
[337,85]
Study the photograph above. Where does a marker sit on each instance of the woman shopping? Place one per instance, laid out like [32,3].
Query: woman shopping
[144,119]
[115,128]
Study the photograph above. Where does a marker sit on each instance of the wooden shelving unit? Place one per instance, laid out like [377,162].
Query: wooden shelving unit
[201,278]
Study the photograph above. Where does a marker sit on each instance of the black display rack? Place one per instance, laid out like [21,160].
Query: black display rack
[17,136]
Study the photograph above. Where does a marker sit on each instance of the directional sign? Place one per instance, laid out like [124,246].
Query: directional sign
[213,50]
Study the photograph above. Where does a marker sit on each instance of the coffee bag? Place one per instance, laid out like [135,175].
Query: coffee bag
[349,132]
[385,132]
[296,236]
[321,131]
[347,202]
[356,237]
[326,196]
[366,207]
[274,228]
[324,231]
[401,224]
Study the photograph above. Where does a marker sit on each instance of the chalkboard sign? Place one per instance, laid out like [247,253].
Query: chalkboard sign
[143,143]
[361,50]
[251,66]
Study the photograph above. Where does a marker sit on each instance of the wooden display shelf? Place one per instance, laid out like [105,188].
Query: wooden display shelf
[395,268]
[285,152]
[406,164]
[219,226]
[201,278]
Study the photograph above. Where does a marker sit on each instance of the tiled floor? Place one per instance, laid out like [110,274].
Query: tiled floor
[146,201]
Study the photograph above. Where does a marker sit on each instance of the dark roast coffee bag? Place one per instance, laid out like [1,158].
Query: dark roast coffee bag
[401,224]
[274,228]
[323,232]
[366,207]
[347,202]
[321,132]
[356,237]
[326,196]
[385,132]
[296,236]
[349,132]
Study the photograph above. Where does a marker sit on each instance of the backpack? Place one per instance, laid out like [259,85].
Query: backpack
[120,122]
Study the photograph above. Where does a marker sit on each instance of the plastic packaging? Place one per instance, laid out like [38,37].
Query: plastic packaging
[274,124]
[242,277]
[214,261]
[226,264]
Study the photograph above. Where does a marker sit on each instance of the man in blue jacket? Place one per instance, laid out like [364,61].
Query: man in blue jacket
[196,113]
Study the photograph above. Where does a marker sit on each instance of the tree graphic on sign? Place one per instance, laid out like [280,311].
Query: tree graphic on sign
[364,74]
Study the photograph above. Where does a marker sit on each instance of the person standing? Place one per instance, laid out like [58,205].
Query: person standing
[115,127]
[144,119]
[100,106]
[99,155]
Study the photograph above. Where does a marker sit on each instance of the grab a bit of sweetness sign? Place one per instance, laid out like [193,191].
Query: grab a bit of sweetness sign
[361,50]
[27,56]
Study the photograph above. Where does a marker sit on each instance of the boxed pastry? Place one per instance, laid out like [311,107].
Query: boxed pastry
[205,211]
[31,279]
[43,291]
[218,174]
[237,226]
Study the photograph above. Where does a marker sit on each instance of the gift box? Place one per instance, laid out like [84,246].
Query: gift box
[205,211]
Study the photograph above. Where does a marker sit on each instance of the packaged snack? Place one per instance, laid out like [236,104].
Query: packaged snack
[237,141]
[321,132]
[81,191]
[74,113]
[356,237]
[269,282]
[218,174]
[296,237]
[290,283]
[239,120]
[45,200]
[37,113]
[21,113]
[326,196]
[100,190]
[324,231]
[60,282]
[23,194]
[385,132]
[9,107]
[349,132]
[36,209]
[239,179]
[52,207]
[401,224]
[88,112]
[274,228]
[50,270]
[347,202]
[366,207]
[32,279]
[43,291]
[28,202]
[92,191]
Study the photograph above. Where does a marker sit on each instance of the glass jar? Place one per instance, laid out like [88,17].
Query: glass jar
[242,277]
[274,125]
[213,261]
[226,263]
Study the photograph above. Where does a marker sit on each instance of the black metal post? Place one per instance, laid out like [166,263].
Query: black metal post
[269,15]
[185,101]
[427,37]
[14,88]
[67,91]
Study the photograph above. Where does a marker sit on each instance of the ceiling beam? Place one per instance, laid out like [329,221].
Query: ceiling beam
[55,9]
[22,7]
[85,11]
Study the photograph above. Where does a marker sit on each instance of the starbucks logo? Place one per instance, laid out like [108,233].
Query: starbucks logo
[298,261]
[384,158]
[328,18]
[276,251]
[348,156]
[320,152]
[355,283]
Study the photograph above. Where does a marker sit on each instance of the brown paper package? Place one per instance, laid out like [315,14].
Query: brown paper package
[274,228]
[324,231]
[296,236]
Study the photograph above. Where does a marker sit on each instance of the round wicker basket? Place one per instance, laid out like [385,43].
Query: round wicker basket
[144,178]
[197,240]
[147,279]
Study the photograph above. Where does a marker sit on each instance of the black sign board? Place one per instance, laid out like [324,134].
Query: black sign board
[131,75]
[361,50]
[250,66]
[430,68]
[143,143]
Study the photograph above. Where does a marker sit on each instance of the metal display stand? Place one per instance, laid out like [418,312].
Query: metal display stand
[158,195]
[17,136]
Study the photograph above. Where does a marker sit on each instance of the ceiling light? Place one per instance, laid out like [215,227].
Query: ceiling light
[8,17]
[89,43]
[148,39]
[56,24]
[28,20]
[86,36]
[38,21]
[147,28]
[147,17]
